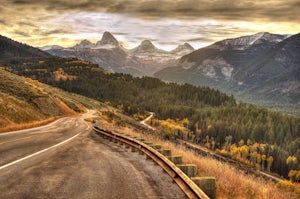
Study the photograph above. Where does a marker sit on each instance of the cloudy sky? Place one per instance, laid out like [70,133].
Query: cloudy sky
[166,22]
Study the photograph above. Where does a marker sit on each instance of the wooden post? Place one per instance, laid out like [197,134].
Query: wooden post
[207,184]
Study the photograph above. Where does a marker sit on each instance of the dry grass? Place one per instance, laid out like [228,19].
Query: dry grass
[67,110]
[231,183]
[14,127]
[27,103]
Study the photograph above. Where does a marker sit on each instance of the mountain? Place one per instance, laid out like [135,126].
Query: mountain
[244,66]
[146,47]
[108,39]
[50,47]
[107,53]
[84,44]
[183,49]
[10,48]
[144,60]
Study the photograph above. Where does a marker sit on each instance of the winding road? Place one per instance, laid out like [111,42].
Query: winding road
[147,119]
[66,159]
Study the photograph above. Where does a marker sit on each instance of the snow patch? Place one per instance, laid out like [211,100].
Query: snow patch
[209,67]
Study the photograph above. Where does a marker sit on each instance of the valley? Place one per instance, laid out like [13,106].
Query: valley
[262,139]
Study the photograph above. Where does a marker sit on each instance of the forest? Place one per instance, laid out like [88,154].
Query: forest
[265,139]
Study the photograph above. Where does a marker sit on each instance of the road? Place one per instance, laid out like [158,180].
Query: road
[66,159]
[147,119]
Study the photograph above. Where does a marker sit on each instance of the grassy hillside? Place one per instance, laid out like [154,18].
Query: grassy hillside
[130,94]
[25,102]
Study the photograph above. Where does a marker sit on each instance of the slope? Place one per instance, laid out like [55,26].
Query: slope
[25,102]
[10,48]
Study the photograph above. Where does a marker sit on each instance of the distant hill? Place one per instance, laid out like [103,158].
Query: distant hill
[10,48]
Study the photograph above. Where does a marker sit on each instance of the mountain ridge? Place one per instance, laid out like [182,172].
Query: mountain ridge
[143,60]
[10,48]
[242,66]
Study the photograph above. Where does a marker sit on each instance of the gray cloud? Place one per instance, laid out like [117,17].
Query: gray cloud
[3,22]
[271,10]
[54,32]
[26,24]
[21,33]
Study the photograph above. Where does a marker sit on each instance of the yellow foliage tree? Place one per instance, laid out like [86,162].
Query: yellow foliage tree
[270,162]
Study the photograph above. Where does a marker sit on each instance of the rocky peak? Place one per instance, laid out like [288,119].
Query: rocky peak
[84,44]
[108,39]
[242,43]
[146,47]
[183,49]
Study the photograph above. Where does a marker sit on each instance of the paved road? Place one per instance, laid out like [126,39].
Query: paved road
[86,166]
[147,119]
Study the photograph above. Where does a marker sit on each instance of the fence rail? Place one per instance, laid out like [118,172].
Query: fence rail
[190,189]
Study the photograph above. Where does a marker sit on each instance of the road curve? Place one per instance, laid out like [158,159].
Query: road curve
[147,119]
[86,166]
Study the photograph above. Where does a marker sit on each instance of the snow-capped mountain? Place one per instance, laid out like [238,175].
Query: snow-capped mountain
[84,44]
[263,65]
[146,47]
[183,49]
[245,42]
[145,59]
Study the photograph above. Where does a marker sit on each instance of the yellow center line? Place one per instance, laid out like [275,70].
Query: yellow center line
[23,138]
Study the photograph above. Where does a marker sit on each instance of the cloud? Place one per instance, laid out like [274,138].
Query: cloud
[21,33]
[3,22]
[55,32]
[166,22]
[272,10]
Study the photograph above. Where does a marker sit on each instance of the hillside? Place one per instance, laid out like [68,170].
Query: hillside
[25,102]
[133,94]
[10,48]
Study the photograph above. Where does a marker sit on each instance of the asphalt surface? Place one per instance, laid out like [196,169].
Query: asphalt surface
[66,159]
[148,118]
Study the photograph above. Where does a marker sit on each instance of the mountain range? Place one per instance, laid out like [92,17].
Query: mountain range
[144,60]
[263,68]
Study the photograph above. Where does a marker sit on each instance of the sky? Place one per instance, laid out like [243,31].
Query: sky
[167,23]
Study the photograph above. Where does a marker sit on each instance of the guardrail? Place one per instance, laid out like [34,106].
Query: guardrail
[190,189]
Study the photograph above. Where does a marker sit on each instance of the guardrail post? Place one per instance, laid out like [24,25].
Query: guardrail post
[141,139]
[175,159]
[207,184]
[156,147]
[166,152]
[189,169]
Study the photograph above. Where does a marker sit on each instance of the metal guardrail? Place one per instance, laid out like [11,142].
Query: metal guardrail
[190,189]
